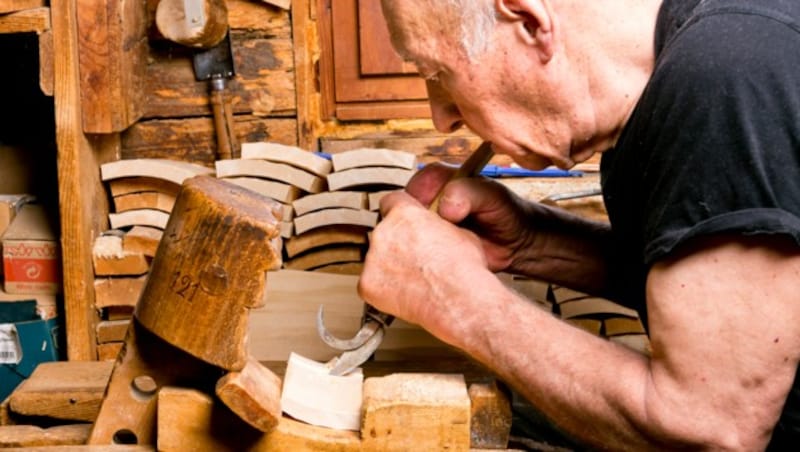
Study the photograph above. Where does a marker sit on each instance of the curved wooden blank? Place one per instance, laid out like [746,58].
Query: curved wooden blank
[171,170]
[285,193]
[268,170]
[142,217]
[128,185]
[118,291]
[290,155]
[358,158]
[330,199]
[109,258]
[327,217]
[144,200]
[143,239]
[324,236]
[375,176]
[342,268]
[375,199]
[325,256]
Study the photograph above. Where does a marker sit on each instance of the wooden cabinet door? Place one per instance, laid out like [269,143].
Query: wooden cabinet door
[363,77]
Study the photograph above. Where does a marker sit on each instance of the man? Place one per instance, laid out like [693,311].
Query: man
[695,106]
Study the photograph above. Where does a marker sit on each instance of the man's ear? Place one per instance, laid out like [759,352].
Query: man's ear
[533,20]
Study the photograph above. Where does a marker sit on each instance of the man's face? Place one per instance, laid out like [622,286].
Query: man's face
[527,109]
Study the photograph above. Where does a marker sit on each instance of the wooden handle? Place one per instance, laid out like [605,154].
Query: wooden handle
[227,145]
[470,168]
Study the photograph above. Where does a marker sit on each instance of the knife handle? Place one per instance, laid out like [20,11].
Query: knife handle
[227,145]
[471,167]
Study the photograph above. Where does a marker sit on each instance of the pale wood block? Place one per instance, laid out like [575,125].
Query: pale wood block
[291,155]
[110,259]
[593,306]
[324,236]
[276,171]
[145,200]
[593,326]
[138,184]
[375,199]
[170,170]
[112,330]
[330,199]
[142,239]
[29,436]
[325,256]
[490,419]
[119,291]
[254,394]
[69,390]
[368,177]
[339,216]
[415,411]
[365,157]
[35,20]
[109,351]
[138,217]
[616,326]
[286,229]
[279,191]
[310,394]
[191,420]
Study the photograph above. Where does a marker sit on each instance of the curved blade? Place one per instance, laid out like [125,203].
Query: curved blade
[365,333]
[354,358]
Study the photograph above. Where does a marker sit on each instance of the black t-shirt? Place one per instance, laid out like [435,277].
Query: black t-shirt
[713,145]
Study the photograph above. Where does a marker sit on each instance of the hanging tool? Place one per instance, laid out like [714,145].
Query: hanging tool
[361,346]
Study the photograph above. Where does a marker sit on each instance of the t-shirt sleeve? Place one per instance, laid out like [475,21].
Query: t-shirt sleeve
[724,133]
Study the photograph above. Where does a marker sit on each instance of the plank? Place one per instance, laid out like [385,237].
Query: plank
[368,177]
[46,69]
[67,390]
[142,239]
[29,436]
[338,216]
[324,236]
[325,256]
[275,171]
[170,170]
[122,291]
[366,157]
[112,41]
[144,200]
[194,139]
[139,217]
[415,411]
[311,394]
[8,6]
[29,21]
[593,326]
[330,199]
[109,351]
[279,191]
[290,155]
[307,83]
[110,259]
[191,420]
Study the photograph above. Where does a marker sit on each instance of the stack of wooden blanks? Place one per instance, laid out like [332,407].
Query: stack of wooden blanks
[601,317]
[280,172]
[143,192]
[331,228]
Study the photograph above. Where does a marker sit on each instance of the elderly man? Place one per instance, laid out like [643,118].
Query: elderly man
[695,106]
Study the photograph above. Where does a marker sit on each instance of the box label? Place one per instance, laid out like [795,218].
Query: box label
[10,346]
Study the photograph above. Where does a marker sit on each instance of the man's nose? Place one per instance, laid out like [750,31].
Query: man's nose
[444,112]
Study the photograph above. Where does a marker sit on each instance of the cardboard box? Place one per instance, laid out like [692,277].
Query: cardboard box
[25,341]
[9,206]
[31,255]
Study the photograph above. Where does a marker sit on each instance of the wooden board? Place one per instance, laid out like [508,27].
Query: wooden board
[139,217]
[369,177]
[325,256]
[275,171]
[118,291]
[366,157]
[130,185]
[290,155]
[142,239]
[191,420]
[324,236]
[279,191]
[144,200]
[63,390]
[112,330]
[330,217]
[8,6]
[110,259]
[330,199]
[174,171]
[29,436]
[29,21]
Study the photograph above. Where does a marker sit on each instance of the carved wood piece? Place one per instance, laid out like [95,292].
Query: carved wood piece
[330,199]
[325,256]
[201,28]
[274,171]
[112,330]
[324,236]
[279,191]
[339,216]
[169,170]
[254,394]
[368,157]
[110,259]
[142,239]
[290,155]
[144,200]
[366,177]
[35,20]
[312,395]
[375,199]
[118,291]
[138,217]
[128,185]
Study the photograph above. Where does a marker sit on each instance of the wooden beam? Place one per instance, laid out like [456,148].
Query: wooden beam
[32,20]
[9,6]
